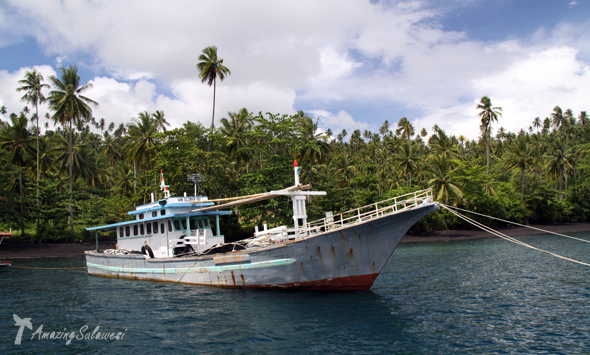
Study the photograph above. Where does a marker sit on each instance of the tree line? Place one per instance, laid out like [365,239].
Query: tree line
[84,172]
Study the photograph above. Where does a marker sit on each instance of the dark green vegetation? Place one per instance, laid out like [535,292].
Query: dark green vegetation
[85,172]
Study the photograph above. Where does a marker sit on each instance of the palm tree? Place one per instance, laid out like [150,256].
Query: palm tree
[405,129]
[342,170]
[141,139]
[441,144]
[210,68]
[84,159]
[488,115]
[160,120]
[314,144]
[537,123]
[442,182]
[407,160]
[110,149]
[16,139]
[559,162]
[384,130]
[521,155]
[70,106]
[33,85]
[234,131]
[557,118]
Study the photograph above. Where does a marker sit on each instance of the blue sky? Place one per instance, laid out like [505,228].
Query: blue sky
[352,66]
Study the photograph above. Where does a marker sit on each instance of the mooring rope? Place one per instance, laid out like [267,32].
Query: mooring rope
[506,237]
[520,225]
[48,268]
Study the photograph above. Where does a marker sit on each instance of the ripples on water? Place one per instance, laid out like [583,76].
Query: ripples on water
[463,297]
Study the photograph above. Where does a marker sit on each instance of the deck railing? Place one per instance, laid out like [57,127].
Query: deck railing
[372,211]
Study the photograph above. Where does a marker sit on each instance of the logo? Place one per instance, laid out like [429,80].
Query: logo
[66,335]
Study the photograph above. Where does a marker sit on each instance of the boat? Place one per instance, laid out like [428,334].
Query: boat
[177,239]
[5,263]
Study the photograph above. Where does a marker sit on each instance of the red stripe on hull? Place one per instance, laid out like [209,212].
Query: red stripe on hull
[348,283]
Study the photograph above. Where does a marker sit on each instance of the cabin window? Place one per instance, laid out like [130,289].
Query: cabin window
[176,225]
[148,228]
[193,224]
[121,235]
[205,223]
[155,227]
[162,212]
[169,226]
[127,232]
[135,229]
[162,228]
[183,224]
[155,214]
[141,229]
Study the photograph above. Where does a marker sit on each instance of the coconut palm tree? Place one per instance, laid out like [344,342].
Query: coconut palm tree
[559,162]
[314,146]
[441,144]
[142,139]
[407,159]
[70,106]
[442,181]
[342,170]
[405,129]
[33,87]
[235,130]
[557,118]
[522,155]
[160,120]
[17,140]
[210,68]
[488,115]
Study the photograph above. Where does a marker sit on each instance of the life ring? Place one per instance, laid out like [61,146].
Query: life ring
[146,250]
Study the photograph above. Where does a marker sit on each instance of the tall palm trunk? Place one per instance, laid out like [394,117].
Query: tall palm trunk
[38,169]
[213,115]
[22,208]
[71,187]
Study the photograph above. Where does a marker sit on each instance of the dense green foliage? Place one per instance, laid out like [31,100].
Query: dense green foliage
[537,176]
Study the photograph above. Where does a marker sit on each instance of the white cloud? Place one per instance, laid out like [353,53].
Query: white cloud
[305,53]
[11,98]
[342,120]
[533,86]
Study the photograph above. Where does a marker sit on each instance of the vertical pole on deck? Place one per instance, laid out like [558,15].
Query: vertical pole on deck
[217,225]
[188,227]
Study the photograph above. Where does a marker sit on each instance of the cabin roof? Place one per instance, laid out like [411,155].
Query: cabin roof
[159,218]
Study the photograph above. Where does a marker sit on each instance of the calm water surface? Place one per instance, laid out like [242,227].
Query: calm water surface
[462,297]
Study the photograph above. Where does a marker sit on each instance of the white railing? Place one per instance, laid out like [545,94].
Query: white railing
[372,211]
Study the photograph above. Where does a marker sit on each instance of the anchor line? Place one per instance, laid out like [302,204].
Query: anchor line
[508,238]
[517,224]
[48,268]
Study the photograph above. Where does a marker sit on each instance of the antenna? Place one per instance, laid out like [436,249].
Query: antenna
[196,179]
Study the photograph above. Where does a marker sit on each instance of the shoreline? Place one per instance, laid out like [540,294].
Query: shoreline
[18,250]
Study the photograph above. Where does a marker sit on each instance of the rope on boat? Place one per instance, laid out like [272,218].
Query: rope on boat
[508,238]
[48,268]
[518,224]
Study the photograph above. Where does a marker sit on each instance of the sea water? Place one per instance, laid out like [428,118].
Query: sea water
[461,297]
